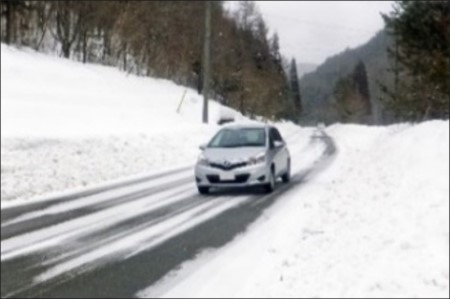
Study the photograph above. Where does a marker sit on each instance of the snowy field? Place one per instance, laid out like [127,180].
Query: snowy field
[373,222]
[65,125]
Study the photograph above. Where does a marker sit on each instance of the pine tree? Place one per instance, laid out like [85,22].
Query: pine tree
[352,96]
[421,33]
[295,88]
[362,85]
[360,77]
[275,49]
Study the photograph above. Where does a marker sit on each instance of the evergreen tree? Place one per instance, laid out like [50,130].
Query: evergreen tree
[421,55]
[352,96]
[295,88]
[362,85]
[360,78]
[275,48]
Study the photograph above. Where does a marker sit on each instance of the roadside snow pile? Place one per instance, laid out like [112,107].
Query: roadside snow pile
[40,166]
[375,223]
[65,124]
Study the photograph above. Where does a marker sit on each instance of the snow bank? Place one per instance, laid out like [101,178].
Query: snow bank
[45,96]
[375,223]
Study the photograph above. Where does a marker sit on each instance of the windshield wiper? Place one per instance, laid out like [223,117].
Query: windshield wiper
[238,145]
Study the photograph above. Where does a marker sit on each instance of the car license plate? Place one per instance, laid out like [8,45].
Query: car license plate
[227,176]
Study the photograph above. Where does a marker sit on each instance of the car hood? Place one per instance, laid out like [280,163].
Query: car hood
[232,155]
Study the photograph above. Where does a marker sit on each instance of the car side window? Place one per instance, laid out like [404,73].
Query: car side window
[276,135]
[271,138]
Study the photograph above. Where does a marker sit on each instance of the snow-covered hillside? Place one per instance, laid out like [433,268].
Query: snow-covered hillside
[375,223]
[65,124]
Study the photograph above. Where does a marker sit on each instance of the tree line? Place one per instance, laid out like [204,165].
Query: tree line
[164,39]
[401,75]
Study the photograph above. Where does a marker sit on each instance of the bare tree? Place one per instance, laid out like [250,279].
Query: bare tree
[67,25]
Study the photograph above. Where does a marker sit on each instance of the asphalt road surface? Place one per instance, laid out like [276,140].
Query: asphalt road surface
[115,241]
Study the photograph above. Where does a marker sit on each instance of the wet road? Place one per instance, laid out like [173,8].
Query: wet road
[115,241]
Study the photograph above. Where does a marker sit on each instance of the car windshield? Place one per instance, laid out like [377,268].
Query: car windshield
[239,138]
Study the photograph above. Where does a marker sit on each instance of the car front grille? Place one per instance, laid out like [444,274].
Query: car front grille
[240,178]
[228,167]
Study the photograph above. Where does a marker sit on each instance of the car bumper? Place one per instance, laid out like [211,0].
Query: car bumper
[255,175]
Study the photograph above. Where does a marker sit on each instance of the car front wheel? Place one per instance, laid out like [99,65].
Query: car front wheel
[287,176]
[270,186]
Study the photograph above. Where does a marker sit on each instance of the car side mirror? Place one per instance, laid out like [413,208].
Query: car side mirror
[202,147]
[278,144]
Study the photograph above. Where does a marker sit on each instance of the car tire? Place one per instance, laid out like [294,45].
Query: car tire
[269,187]
[203,190]
[287,176]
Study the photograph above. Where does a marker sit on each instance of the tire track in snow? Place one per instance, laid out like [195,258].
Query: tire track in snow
[14,211]
[122,229]
[74,209]
[129,243]
[53,235]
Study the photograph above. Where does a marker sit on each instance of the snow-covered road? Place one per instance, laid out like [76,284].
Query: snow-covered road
[131,234]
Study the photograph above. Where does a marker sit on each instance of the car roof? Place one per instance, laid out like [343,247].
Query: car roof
[249,125]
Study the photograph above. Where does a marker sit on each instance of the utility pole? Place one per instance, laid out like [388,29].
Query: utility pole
[206,60]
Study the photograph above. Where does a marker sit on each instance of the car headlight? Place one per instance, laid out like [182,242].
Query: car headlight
[258,159]
[202,160]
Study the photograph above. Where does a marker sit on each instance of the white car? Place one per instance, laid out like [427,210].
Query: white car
[243,156]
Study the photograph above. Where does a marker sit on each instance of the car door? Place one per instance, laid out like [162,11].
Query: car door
[282,154]
[279,153]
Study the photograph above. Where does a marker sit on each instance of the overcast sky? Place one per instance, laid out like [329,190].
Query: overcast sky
[311,31]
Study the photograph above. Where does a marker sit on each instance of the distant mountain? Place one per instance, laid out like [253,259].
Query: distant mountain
[304,68]
[317,87]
